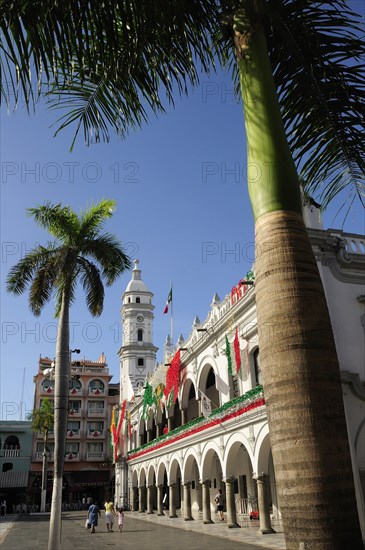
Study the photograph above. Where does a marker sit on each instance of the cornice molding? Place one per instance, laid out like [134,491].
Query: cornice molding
[330,248]
[353,381]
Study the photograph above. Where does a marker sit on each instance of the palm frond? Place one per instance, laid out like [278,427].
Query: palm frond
[109,253]
[61,221]
[21,275]
[316,50]
[92,219]
[124,51]
[92,285]
[42,285]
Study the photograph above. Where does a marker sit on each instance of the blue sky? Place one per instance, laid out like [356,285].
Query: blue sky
[182,209]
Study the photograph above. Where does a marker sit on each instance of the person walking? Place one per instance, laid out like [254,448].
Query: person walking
[219,500]
[93,513]
[109,514]
[120,515]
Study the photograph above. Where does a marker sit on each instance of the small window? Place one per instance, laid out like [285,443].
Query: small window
[140,362]
[138,300]
[74,407]
[140,335]
[7,466]
[129,300]
[74,384]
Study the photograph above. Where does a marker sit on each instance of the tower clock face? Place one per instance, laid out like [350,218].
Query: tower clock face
[140,318]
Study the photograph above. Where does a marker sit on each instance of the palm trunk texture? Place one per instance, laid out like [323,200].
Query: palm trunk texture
[300,371]
[303,394]
[62,378]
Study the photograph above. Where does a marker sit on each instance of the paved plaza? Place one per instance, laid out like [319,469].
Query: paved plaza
[141,532]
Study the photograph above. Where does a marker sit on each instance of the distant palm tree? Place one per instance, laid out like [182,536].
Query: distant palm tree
[81,252]
[42,422]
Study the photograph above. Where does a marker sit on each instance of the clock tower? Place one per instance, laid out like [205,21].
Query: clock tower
[137,354]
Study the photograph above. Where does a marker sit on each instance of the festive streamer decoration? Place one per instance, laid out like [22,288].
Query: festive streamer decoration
[148,399]
[130,428]
[115,429]
[172,377]
[250,400]
[233,354]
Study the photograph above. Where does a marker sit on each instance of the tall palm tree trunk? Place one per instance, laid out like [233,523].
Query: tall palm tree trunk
[303,393]
[62,378]
[300,371]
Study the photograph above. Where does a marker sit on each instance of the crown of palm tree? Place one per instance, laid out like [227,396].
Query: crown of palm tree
[81,252]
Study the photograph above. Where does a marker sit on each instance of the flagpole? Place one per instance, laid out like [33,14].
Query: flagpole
[172,318]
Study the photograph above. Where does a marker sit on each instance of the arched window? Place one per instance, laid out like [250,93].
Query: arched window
[96,386]
[11,442]
[74,384]
[140,335]
[138,300]
[48,385]
[210,379]
[256,362]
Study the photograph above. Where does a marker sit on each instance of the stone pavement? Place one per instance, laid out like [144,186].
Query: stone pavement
[141,532]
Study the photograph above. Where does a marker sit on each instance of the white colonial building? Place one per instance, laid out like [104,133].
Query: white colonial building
[175,456]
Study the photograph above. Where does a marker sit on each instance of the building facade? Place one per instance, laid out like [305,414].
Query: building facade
[177,455]
[15,460]
[88,468]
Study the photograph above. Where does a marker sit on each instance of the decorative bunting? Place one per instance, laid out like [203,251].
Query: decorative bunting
[233,353]
[172,377]
[115,429]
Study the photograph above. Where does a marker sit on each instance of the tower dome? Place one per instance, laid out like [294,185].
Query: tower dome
[136,284]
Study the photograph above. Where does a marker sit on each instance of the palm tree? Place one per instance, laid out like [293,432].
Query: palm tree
[81,252]
[42,422]
[297,63]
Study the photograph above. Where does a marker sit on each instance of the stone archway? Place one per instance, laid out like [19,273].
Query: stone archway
[211,480]
[241,495]
[192,488]
[174,478]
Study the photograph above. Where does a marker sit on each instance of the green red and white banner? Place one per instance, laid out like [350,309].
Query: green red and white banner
[233,353]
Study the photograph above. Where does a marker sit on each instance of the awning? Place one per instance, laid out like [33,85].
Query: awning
[13,479]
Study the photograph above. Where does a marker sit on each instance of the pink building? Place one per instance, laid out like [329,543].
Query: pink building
[88,468]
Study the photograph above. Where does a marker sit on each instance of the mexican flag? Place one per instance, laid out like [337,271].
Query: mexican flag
[233,353]
[168,301]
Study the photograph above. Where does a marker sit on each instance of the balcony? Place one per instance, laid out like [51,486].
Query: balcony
[75,413]
[72,457]
[99,434]
[96,392]
[75,391]
[94,413]
[95,456]
[10,453]
[39,456]
[73,433]
[49,390]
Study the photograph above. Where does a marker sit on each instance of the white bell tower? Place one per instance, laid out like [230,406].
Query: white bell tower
[137,354]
